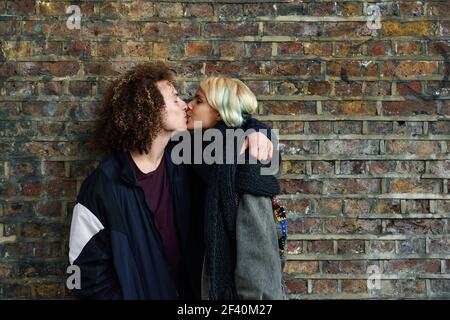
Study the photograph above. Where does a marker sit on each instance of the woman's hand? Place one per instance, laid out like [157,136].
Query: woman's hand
[260,147]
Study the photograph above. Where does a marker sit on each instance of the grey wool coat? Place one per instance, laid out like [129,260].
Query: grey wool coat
[258,273]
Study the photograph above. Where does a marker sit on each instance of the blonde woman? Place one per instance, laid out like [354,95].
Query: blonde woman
[242,258]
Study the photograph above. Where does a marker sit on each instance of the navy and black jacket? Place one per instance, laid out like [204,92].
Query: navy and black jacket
[114,240]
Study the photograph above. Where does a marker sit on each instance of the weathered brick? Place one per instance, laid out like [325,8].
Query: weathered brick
[349,50]
[294,247]
[42,230]
[352,167]
[350,246]
[21,7]
[413,288]
[329,206]
[348,8]
[411,8]
[348,127]
[51,89]
[406,69]
[324,286]
[413,186]
[351,267]
[198,49]
[48,290]
[310,68]
[15,291]
[305,226]
[349,108]
[169,9]
[299,186]
[291,29]
[418,206]
[379,127]
[320,246]
[301,267]
[345,69]
[80,88]
[227,10]
[414,226]
[260,9]
[386,206]
[351,147]
[438,8]
[288,108]
[381,246]
[380,48]
[290,48]
[323,167]
[293,167]
[321,127]
[298,207]
[200,10]
[235,69]
[345,29]
[412,147]
[419,28]
[412,266]
[440,246]
[348,89]
[443,206]
[378,88]
[356,207]
[297,286]
[57,69]
[352,226]
[257,49]
[440,286]
[170,30]
[354,286]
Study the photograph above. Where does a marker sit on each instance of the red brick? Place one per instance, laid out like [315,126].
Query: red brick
[352,226]
[299,186]
[349,267]
[297,286]
[320,246]
[414,226]
[301,267]
[354,286]
[412,266]
[324,286]
[350,246]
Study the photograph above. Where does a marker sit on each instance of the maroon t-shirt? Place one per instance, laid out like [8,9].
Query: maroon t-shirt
[159,197]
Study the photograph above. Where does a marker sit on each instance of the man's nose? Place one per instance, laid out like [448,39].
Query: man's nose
[184,105]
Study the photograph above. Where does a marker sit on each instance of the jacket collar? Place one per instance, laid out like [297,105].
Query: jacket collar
[126,171]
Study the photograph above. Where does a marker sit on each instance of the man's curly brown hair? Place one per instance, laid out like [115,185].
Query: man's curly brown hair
[131,113]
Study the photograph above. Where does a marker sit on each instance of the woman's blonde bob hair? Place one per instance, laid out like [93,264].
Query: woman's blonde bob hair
[230,97]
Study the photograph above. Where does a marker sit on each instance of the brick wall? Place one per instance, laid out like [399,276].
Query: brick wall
[363,115]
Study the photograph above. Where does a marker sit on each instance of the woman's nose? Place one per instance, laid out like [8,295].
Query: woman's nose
[189,105]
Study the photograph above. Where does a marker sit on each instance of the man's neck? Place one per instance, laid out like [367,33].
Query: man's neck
[149,162]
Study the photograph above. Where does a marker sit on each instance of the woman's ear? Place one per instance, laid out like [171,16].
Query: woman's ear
[218,118]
